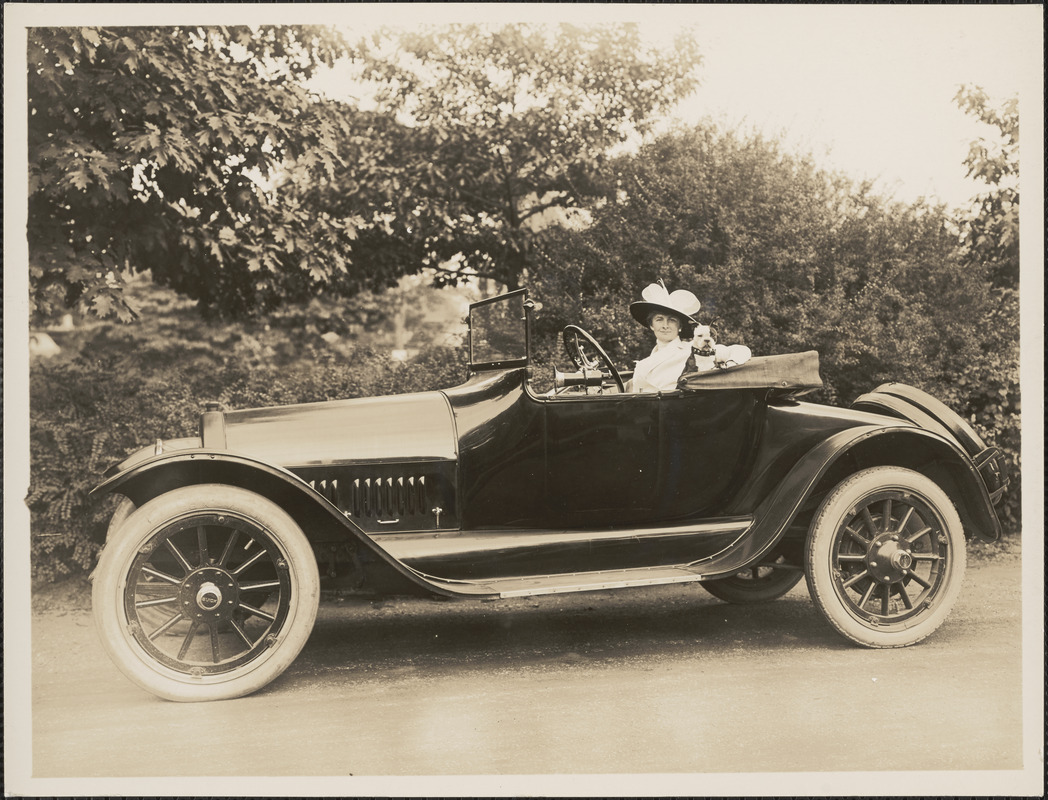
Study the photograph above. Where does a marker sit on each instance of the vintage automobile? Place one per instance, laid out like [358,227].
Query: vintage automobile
[209,582]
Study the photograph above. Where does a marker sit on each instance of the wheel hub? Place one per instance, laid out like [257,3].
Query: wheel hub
[889,559]
[209,597]
[208,594]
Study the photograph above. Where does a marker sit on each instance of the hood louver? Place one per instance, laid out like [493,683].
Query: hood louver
[376,498]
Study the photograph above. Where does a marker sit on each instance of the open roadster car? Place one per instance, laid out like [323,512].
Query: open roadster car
[210,579]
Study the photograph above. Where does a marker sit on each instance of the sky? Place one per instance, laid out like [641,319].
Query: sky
[868,90]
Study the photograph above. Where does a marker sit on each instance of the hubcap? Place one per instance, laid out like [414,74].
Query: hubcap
[209,596]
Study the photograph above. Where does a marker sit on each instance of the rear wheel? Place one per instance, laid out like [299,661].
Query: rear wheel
[760,583]
[885,557]
[207,593]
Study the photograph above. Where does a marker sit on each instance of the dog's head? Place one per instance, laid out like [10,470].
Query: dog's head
[703,339]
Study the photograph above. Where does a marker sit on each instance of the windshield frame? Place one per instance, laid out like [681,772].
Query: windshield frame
[505,363]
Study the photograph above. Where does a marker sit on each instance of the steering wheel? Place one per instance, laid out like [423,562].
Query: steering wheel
[575,340]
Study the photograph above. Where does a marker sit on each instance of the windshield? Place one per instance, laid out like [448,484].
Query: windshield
[498,331]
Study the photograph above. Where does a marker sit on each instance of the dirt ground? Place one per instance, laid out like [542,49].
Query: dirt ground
[663,679]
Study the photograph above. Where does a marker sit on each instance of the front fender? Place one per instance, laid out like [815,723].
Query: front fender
[320,520]
[847,452]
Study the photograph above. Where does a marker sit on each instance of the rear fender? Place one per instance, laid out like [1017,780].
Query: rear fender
[321,521]
[794,499]
[921,408]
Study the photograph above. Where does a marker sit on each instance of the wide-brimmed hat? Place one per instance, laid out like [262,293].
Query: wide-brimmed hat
[658,299]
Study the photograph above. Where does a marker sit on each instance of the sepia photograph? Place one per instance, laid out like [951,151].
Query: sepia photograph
[533,400]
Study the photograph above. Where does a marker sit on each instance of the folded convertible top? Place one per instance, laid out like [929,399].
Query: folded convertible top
[789,371]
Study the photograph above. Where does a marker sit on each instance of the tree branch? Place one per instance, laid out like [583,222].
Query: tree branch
[461,274]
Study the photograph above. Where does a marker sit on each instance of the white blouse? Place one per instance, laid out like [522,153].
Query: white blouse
[659,371]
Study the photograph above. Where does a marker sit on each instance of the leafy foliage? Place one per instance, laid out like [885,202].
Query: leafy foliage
[160,149]
[493,127]
[124,392]
[990,242]
[991,236]
[786,257]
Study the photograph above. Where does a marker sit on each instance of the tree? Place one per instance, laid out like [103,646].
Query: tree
[495,126]
[991,236]
[988,383]
[161,148]
[787,257]
[783,255]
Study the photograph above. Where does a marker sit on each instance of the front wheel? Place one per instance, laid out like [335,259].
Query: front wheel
[207,592]
[885,557]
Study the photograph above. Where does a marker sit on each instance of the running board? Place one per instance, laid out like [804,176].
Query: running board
[571,582]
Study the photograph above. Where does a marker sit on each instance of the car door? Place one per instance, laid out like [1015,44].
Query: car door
[707,439]
[602,459]
[646,458]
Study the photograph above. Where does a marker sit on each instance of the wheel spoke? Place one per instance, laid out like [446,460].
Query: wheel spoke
[160,601]
[257,612]
[240,631]
[886,600]
[170,622]
[856,578]
[905,596]
[851,557]
[857,537]
[905,519]
[886,514]
[867,594]
[187,641]
[248,563]
[913,537]
[148,570]
[867,519]
[202,544]
[918,579]
[178,555]
[925,557]
[248,587]
[228,548]
[213,627]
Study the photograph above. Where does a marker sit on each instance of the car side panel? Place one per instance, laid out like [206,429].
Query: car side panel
[788,432]
[590,461]
[601,460]
[501,451]
[708,441]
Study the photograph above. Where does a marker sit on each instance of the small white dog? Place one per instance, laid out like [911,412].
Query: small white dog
[710,355]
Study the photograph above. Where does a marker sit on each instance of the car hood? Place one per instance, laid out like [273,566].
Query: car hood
[410,427]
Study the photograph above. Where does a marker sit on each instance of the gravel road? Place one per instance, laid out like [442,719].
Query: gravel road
[656,680]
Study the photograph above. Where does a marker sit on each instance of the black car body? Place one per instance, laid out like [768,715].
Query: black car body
[491,489]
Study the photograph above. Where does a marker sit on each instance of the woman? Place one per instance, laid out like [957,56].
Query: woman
[669,316]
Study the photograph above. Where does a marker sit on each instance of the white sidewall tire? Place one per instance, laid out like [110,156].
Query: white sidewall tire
[120,553]
[125,508]
[819,560]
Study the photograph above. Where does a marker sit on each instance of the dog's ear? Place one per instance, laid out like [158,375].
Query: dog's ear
[713,330]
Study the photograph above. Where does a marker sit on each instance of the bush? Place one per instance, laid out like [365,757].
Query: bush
[119,395]
[786,258]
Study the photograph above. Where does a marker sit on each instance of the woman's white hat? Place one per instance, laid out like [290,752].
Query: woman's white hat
[658,298]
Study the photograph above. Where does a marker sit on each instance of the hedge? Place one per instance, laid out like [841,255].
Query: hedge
[121,394]
[90,412]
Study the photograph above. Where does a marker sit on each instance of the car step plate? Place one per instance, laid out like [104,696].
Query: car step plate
[571,582]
